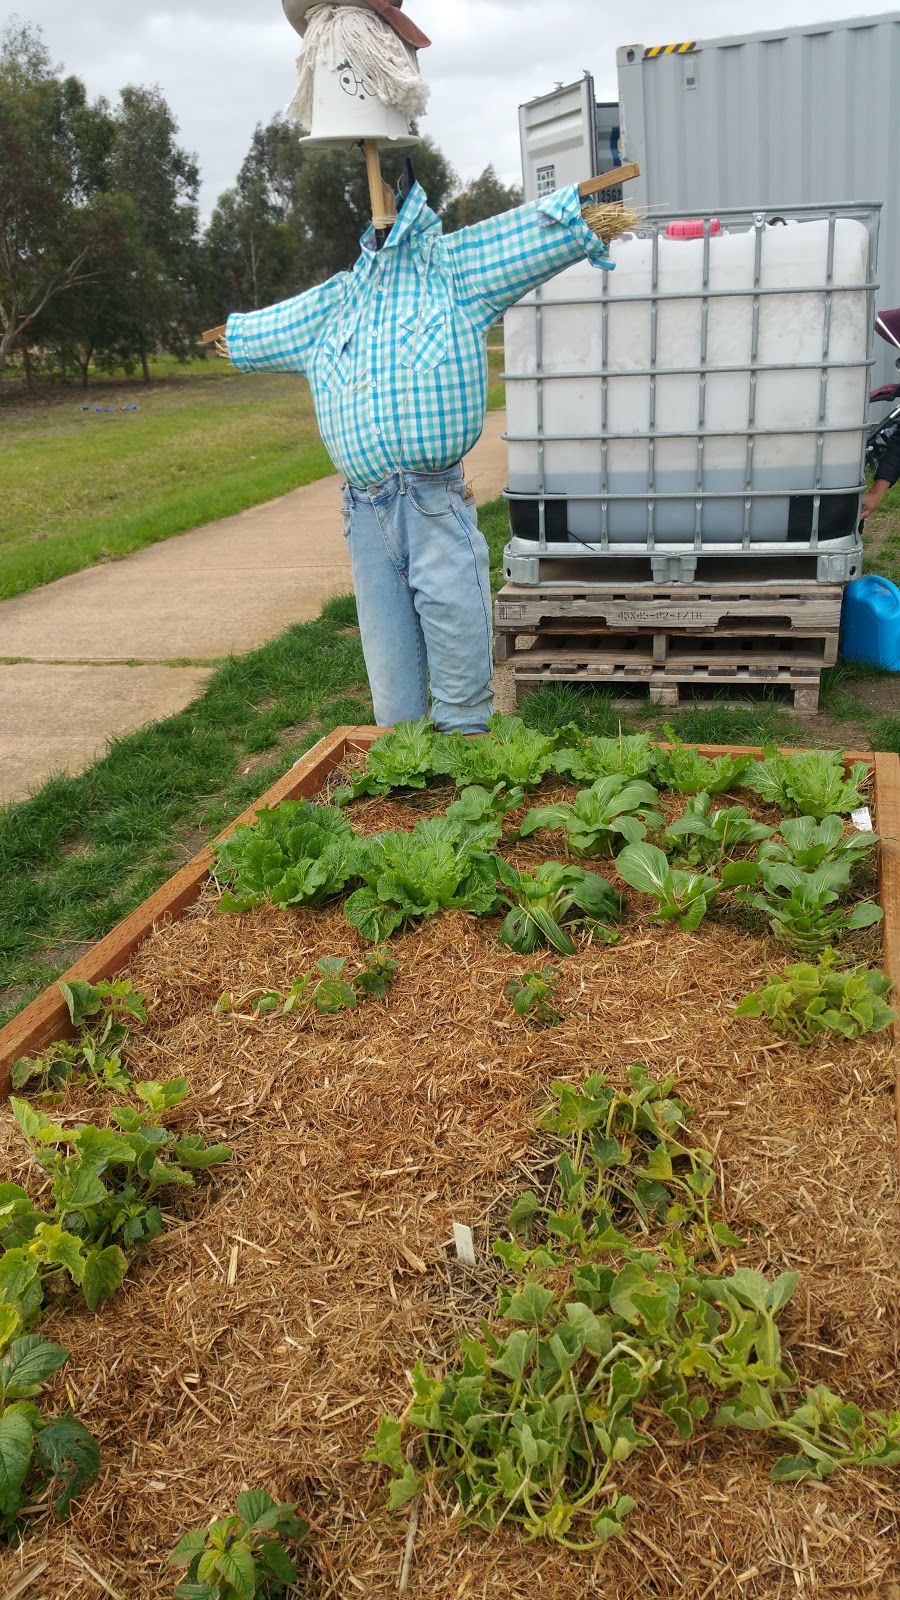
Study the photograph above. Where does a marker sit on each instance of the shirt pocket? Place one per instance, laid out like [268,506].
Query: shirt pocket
[423,341]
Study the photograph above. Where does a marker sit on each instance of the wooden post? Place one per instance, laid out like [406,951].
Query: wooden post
[384,211]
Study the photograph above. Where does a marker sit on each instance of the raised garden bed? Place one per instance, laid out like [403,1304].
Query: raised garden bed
[259,1340]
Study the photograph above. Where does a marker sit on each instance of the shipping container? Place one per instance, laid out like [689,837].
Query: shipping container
[788,117]
[567,136]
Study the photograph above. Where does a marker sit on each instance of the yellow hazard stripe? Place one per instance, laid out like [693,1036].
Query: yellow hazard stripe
[671,49]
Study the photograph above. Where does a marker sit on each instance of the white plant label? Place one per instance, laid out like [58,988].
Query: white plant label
[862,820]
[465,1244]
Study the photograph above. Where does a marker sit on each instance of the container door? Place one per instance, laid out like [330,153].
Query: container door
[558,134]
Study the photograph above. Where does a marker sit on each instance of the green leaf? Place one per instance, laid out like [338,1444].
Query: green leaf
[255,1504]
[275,1563]
[644,867]
[388,1447]
[27,1364]
[189,1546]
[16,1441]
[237,1567]
[54,1246]
[103,1274]
[68,1452]
[530,1304]
[403,1489]
[515,1354]
[190,1151]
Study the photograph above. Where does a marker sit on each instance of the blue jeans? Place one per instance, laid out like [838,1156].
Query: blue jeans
[420,571]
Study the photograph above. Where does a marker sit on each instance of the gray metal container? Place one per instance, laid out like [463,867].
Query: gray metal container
[699,413]
[789,116]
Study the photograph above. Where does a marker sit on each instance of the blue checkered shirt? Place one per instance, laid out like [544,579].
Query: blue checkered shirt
[395,351]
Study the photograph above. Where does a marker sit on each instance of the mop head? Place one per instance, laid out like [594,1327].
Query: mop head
[611,221]
[340,34]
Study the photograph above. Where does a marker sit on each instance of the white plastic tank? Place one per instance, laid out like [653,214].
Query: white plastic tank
[708,412]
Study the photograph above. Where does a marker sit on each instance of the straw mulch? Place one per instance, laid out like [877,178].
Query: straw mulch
[258,1341]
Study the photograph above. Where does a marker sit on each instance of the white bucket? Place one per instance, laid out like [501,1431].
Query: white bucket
[346,109]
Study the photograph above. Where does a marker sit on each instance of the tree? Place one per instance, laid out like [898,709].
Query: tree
[157,289]
[334,206]
[252,251]
[53,148]
[483,197]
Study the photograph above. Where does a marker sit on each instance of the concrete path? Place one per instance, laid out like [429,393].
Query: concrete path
[107,650]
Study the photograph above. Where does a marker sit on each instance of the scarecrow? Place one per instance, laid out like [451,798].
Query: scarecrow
[395,354]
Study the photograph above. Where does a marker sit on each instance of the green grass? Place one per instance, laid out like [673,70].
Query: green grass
[81,487]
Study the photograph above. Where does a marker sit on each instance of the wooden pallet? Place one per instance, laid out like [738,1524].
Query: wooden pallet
[718,607]
[666,681]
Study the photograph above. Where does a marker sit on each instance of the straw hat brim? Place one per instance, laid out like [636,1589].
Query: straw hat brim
[296,12]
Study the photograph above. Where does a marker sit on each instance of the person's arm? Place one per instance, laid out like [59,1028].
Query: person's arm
[888,473]
[497,261]
[280,338]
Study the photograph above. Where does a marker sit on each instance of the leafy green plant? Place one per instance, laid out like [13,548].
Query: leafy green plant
[682,897]
[401,759]
[241,1557]
[438,866]
[531,1424]
[683,768]
[294,854]
[103,1182]
[482,812]
[38,1454]
[703,835]
[630,756]
[811,782]
[105,1014]
[509,753]
[335,991]
[623,1165]
[611,809]
[533,997]
[542,900]
[805,1000]
[802,907]
[809,843]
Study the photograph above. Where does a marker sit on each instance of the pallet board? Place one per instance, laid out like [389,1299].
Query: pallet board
[531,570]
[47,1018]
[804,609]
[666,681]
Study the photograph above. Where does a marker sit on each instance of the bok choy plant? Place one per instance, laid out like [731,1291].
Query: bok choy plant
[541,901]
[612,809]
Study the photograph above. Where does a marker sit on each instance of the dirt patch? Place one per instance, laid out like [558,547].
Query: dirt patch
[357,1145]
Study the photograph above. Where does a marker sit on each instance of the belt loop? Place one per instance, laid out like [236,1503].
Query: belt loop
[401,476]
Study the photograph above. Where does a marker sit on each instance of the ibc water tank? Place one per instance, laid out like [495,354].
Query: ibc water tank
[709,392]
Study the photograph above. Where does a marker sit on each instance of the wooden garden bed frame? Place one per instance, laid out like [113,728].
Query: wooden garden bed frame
[47,1018]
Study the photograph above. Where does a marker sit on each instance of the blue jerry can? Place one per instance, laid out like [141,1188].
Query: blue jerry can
[870,623]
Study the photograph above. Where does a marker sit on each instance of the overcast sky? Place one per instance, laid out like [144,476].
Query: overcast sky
[224,65]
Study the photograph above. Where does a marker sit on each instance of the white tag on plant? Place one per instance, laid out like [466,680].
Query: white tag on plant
[862,820]
[465,1244]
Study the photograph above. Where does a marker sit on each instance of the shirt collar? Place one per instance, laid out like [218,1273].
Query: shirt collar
[416,218]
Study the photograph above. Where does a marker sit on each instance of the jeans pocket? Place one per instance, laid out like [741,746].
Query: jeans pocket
[432,499]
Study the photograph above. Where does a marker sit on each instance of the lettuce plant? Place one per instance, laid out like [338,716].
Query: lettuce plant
[811,783]
[439,866]
[509,753]
[542,900]
[807,999]
[612,809]
[630,755]
[684,769]
[294,854]
[401,759]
